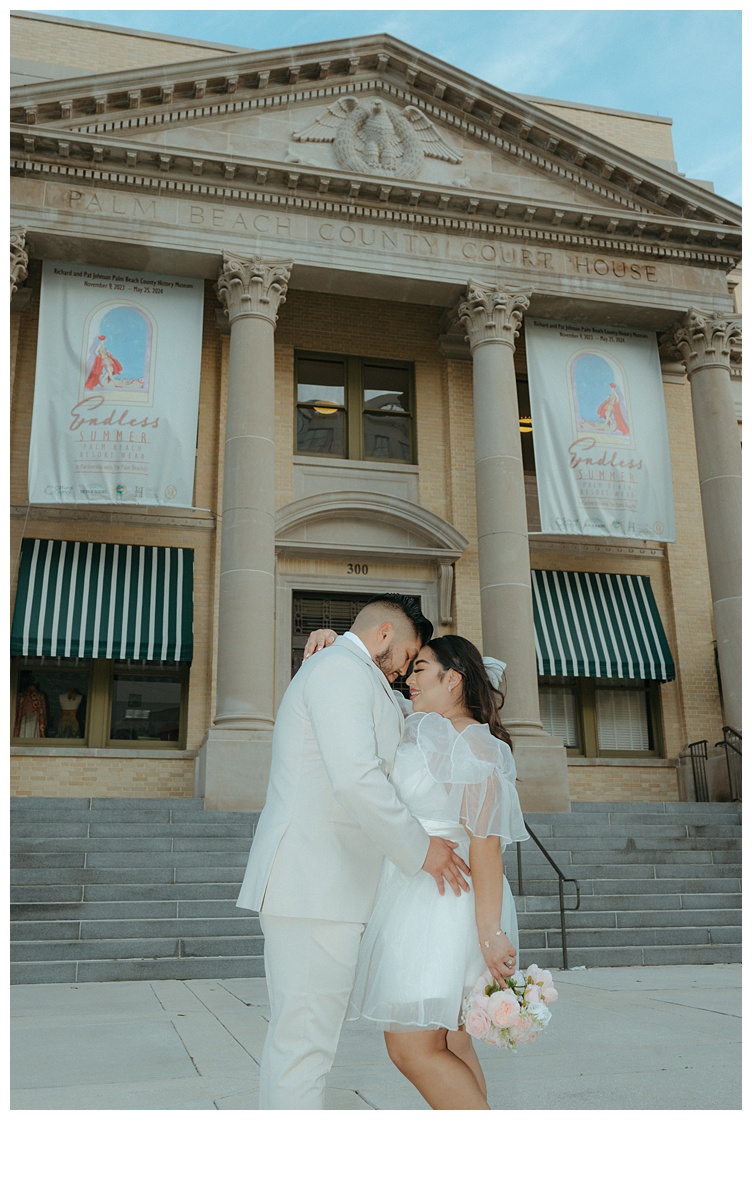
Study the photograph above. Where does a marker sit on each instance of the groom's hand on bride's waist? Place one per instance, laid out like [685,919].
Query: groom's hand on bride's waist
[444,865]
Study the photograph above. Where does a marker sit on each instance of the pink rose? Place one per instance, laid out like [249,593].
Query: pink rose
[477,1023]
[549,994]
[532,994]
[524,1030]
[503,1008]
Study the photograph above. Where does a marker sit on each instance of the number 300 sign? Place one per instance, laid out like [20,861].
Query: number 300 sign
[357,568]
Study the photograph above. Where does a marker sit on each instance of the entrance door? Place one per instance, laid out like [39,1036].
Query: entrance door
[326,610]
[321,610]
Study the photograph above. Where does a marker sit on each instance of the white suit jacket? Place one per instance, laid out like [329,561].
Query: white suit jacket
[331,814]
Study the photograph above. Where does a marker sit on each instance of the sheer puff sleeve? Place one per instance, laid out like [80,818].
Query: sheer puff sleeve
[479,771]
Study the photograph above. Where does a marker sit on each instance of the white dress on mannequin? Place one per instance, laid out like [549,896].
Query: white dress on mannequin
[420,954]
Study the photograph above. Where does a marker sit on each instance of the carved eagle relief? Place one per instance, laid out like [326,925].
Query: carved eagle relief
[371,138]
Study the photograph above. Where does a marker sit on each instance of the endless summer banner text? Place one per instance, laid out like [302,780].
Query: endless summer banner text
[599,431]
[117,385]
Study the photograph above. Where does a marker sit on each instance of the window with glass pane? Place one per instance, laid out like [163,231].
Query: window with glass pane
[558,710]
[387,431]
[321,407]
[623,719]
[145,706]
[51,702]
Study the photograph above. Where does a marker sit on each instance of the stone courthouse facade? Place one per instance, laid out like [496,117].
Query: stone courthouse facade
[363,420]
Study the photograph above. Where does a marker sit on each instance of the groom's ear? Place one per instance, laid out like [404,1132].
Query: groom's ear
[386,629]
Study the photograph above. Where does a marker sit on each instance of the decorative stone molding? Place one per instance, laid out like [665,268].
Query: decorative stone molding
[19,259]
[446,580]
[490,315]
[252,288]
[342,523]
[374,138]
[704,339]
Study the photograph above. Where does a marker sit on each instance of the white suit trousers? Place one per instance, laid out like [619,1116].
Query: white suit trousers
[310,970]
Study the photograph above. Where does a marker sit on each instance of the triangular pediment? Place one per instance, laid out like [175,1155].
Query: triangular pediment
[369,119]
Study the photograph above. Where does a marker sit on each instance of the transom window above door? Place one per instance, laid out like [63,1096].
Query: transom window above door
[356,408]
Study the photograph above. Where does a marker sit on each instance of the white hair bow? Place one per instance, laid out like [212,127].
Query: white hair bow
[494,670]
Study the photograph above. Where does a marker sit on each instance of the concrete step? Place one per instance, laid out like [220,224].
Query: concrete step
[586,830]
[633,922]
[95,892]
[629,843]
[95,971]
[547,885]
[179,872]
[127,927]
[674,808]
[624,902]
[34,833]
[690,935]
[688,814]
[97,803]
[87,949]
[637,956]
[127,910]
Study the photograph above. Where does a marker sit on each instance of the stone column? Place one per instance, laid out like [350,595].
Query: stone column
[491,319]
[705,343]
[233,763]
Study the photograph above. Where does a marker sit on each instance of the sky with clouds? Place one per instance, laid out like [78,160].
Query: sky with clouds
[683,63]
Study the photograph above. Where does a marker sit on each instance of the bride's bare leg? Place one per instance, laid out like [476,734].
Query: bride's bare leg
[443,1080]
[461,1045]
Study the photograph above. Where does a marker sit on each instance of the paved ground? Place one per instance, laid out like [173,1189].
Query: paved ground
[619,1038]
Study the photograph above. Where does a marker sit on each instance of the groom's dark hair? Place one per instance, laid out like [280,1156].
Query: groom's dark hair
[409,607]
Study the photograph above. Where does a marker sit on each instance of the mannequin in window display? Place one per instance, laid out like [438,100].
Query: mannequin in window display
[68,725]
[31,713]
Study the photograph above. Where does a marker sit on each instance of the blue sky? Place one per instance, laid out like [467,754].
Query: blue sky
[683,63]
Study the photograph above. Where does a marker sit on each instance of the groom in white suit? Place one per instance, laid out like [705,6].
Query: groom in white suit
[331,815]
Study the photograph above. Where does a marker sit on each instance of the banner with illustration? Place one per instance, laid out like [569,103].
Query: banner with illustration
[599,431]
[116,389]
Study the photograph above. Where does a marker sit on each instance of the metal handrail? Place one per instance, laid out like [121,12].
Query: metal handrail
[562,880]
[732,741]
[698,756]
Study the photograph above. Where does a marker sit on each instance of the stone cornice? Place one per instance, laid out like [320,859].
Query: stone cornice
[217,86]
[126,164]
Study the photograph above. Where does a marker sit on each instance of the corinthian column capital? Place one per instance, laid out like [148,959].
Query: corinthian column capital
[702,339]
[19,259]
[490,315]
[253,288]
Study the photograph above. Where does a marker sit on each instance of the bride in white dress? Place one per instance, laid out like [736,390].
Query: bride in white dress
[422,951]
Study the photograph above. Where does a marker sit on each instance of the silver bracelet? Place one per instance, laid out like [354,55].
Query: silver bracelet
[499,933]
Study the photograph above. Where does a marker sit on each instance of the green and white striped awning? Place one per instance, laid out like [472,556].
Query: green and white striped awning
[603,626]
[96,600]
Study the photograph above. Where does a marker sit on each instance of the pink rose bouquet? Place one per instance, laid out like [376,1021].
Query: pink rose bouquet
[510,1016]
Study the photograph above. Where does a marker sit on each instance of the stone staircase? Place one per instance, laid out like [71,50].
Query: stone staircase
[107,889]
[660,884]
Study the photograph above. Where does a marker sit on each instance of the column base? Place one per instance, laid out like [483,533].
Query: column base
[232,769]
[542,779]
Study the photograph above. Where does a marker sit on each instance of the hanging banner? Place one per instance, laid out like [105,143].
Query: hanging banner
[116,389]
[599,431]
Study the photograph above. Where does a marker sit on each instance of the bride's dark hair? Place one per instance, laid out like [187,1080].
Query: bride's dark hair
[482,700]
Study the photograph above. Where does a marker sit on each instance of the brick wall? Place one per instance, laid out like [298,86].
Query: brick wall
[96,49]
[643,135]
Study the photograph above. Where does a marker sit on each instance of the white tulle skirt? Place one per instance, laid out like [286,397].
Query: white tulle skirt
[420,955]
